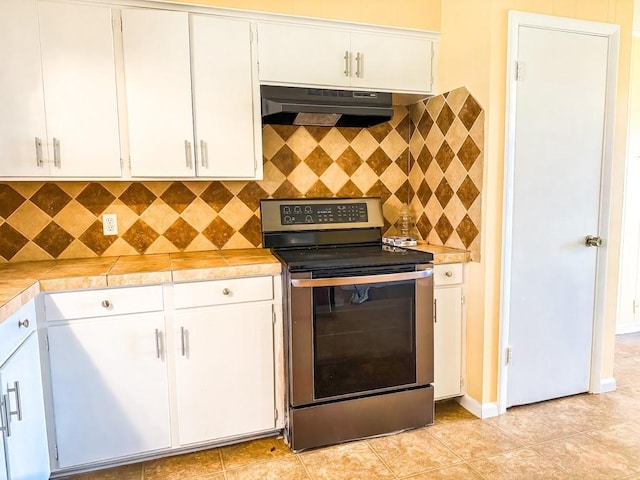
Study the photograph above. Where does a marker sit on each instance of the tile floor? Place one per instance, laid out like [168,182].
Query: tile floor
[581,437]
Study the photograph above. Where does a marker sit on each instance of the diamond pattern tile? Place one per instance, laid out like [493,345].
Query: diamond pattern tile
[140,236]
[53,239]
[12,241]
[10,200]
[138,197]
[50,198]
[181,234]
[445,118]
[95,198]
[96,240]
[218,232]
[178,196]
[429,155]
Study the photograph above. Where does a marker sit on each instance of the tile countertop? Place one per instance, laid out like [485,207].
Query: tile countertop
[20,282]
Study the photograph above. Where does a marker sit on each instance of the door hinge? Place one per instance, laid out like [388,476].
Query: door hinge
[273,317]
[56,450]
[461,382]
[121,163]
[275,415]
[509,356]
[462,299]
[519,69]
[46,341]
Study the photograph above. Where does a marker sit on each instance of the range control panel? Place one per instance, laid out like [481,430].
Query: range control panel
[323,213]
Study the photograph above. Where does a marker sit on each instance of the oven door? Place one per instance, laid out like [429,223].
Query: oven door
[356,332]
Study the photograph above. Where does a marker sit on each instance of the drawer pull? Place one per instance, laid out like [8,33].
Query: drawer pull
[449,273]
[24,323]
[226,291]
[106,303]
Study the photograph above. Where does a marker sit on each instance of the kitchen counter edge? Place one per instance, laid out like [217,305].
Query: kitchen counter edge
[20,282]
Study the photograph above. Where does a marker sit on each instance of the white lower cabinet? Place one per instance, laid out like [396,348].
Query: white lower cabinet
[224,367]
[22,414]
[447,332]
[108,375]
[162,367]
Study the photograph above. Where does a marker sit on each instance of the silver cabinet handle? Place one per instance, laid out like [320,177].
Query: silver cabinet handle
[157,343]
[5,426]
[359,61]
[204,154]
[57,161]
[346,63]
[226,291]
[333,282]
[39,161]
[183,342]
[16,391]
[435,310]
[24,323]
[187,151]
[592,241]
[448,273]
[106,303]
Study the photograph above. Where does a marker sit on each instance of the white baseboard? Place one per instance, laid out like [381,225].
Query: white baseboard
[480,410]
[627,328]
[607,385]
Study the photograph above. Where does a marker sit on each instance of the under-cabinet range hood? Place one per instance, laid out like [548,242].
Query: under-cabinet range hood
[324,108]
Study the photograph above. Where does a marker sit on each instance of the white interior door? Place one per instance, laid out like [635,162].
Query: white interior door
[556,182]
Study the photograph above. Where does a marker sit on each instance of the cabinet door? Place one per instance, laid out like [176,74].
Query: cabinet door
[447,335]
[157,73]
[22,119]
[110,388]
[224,371]
[304,55]
[3,462]
[80,90]
[226,98]
[390,62]
[27,448]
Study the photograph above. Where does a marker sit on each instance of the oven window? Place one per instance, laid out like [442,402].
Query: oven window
[364,337]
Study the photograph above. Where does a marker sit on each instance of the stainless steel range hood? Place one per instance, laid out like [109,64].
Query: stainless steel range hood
[322,107]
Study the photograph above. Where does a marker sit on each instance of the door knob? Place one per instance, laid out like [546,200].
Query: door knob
[592,241]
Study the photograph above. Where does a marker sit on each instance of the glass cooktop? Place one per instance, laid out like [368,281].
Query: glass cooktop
[306,259]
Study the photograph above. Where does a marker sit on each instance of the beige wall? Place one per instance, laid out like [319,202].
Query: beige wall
[423,14]
[473,54]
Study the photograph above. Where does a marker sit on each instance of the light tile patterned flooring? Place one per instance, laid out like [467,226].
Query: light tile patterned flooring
[581,437]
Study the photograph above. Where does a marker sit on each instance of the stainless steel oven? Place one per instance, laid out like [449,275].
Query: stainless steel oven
[358,326]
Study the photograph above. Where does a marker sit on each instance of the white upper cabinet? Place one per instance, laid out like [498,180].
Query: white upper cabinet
[192,95]
[158,79]
[22,121]
[304,55]
[226,98]
[63,71]
[78,68]
[390,60]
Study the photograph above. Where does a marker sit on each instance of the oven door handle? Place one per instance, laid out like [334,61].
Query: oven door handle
[359,280]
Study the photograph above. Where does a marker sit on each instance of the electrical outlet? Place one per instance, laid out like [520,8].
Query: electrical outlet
[110,224]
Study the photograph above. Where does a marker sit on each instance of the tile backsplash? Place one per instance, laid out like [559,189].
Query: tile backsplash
[428,155]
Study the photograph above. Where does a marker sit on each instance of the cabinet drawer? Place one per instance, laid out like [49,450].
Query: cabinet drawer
[447,274]
[102,303]
[222,292]
[16,328]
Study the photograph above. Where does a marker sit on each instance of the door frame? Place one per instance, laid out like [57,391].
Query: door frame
[612,32]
